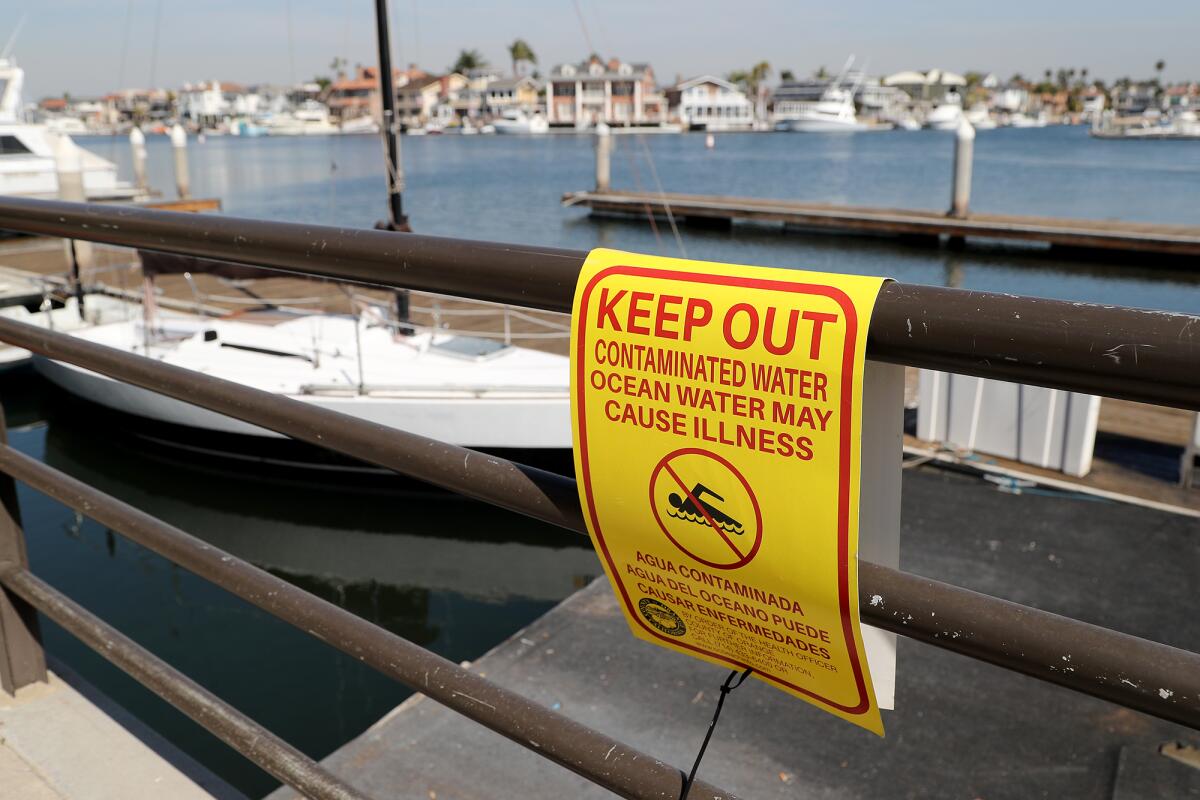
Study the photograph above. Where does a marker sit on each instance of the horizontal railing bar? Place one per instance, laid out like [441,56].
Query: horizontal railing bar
[1135,354]
[610,763]
[995,632]
[224,721]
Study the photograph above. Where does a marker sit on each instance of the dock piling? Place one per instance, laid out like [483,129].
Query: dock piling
[603,159]
[137,143]
[964,155]
[68,164]
[179,147]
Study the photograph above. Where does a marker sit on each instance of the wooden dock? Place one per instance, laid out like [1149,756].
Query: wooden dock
[1112,236]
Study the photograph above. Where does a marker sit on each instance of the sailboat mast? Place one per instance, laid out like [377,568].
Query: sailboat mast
[397,221]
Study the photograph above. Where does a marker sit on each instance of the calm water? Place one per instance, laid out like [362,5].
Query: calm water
[450,574]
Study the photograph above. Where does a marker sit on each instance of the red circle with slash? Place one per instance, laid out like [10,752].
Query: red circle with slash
[678,492]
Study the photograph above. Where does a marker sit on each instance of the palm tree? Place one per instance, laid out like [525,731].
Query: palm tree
[787,75]
[469,60]
[758,74]
[1083,75]
[1159,66]
[520,52]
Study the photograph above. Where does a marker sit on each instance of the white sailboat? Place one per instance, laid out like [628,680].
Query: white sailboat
[461,389]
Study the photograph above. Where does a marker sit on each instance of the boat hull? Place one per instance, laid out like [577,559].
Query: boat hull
[534,422]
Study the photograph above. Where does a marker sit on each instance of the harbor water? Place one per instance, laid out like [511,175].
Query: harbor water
[456,576]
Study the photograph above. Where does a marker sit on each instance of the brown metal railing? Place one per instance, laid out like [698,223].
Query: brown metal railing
[1111,665]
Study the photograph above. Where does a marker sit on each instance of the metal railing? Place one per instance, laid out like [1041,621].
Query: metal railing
[1003,336]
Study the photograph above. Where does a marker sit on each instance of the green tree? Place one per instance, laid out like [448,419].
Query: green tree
[521,53]
[469,60]
[822,73]
[973,79]
[758,75]
[338,67]
[787,75]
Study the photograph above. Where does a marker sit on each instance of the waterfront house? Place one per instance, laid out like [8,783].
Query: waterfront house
[503,94]
[709,103]
[931,86]
[203,103]
[433,96]
[358,96]
[616,92]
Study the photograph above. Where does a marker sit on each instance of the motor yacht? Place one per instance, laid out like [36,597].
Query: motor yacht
[27,165]
[517,121]
[833,113]
[310,118]
[946,115]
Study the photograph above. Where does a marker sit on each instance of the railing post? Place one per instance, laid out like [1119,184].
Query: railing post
[964,154]
[179,147]
[603,158]
[22,661]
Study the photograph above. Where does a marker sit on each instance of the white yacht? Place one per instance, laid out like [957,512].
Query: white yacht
[833,113]
[310,118]
[365,124]
[27,166]
[517,121]
[946,115]
[1019,120]
[980,117]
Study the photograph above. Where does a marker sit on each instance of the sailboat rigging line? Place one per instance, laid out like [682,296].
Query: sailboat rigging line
[287,11]
[587,37]
[637,182]
[662,195]
[154,44]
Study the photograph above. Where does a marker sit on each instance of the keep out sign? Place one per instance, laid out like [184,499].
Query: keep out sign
[716,413]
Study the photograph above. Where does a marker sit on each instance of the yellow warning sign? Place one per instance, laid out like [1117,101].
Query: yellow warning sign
[716,412]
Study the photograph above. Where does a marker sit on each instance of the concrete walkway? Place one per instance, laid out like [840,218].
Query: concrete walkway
[962,728]
[60,741]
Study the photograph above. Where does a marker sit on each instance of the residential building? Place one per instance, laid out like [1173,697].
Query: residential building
[203,103]
[434,97]
[358,96]
[501,95]
[616,92]
[710,103]
[931,86]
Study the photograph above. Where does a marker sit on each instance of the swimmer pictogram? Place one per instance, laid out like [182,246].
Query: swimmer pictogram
[706,508]
[695,509]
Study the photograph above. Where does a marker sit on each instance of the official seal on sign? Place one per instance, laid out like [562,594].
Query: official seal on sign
[662,617]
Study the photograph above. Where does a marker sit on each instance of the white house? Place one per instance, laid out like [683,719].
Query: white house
[710,103]
[203,103]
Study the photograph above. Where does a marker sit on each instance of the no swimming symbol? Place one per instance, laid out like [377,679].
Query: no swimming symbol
[706,508]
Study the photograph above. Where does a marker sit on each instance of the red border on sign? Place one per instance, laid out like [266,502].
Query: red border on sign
[847,409]
[743,560]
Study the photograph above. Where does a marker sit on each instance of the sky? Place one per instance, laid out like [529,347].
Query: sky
[89,47]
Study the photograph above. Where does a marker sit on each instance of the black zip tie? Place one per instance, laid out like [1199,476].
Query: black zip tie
[726,688]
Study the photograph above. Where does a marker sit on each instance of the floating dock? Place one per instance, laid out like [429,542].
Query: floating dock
[1113,236]
[1047,550]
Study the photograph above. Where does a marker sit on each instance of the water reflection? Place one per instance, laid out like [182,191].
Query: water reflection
[408,540]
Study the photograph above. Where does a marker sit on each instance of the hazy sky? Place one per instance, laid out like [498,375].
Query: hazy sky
[80,45]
